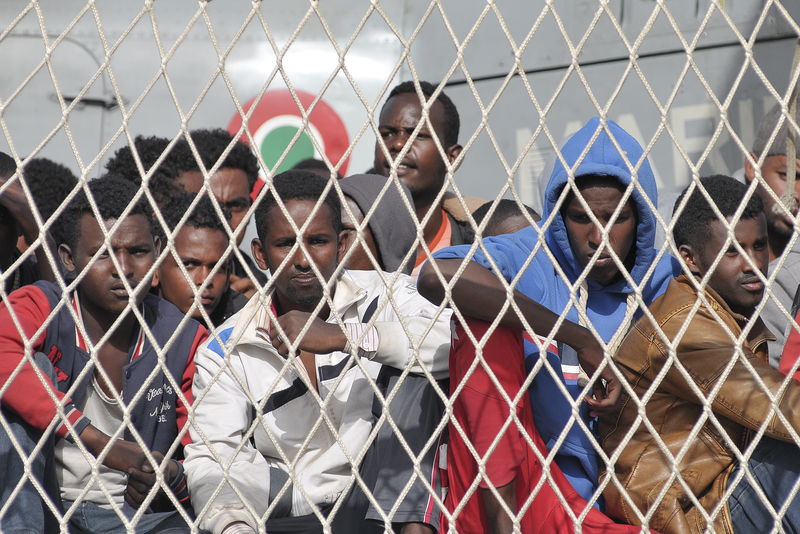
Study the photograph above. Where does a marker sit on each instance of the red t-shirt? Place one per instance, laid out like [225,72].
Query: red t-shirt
[481,411]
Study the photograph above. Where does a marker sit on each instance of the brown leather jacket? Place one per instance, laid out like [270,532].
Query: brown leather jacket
[740,405]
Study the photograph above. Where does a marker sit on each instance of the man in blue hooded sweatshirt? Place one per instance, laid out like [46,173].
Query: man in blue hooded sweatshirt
[601,219]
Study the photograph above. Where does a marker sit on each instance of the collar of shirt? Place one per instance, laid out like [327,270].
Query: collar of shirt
[81,342]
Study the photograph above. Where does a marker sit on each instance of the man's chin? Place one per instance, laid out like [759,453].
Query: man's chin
[305,300]
[113,308]
[410,184]
[604,277]
[746,305]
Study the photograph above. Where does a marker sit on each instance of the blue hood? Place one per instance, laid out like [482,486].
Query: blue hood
[606,306]
[603,158]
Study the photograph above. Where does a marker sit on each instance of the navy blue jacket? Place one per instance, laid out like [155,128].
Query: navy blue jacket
[156,410]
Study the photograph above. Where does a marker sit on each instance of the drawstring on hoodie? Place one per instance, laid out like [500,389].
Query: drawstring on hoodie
[616,339]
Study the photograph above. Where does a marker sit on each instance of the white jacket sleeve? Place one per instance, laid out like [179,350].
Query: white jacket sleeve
[412,322]
[222,416]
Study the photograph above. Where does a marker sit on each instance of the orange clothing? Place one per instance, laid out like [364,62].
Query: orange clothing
[442,239]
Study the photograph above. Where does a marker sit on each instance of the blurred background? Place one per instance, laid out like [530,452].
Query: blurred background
[689,80]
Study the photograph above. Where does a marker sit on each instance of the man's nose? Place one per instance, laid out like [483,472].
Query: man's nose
[751,262]
[300,260]
[797,190]
[125,265]
[595,236]
[200,275]
[397,142]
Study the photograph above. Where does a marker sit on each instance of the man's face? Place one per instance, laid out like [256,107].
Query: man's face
[586,237]
[774,172]
[358,260]
[296,285]
[232,191]
[200,250]
[190,181]
[422,169]
[734,279]
[102,288]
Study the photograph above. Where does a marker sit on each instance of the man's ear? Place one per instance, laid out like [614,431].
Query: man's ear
[453,153]
[258,254]
[344,244]
[691,258]
[749,170]
[65,254]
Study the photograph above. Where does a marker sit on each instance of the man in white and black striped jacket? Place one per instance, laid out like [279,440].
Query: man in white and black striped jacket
[281,435]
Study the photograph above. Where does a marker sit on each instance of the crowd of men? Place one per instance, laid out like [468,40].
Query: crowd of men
[415,361]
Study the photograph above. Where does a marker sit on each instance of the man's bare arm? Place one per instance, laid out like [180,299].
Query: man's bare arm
[478,293]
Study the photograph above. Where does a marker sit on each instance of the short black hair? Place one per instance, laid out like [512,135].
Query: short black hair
[162,182]
[691,227]
[181,158]
[123,164]
[297,185]
[7,165]
[203,215]
[112,194]
[311,164]
[506,209]
[49,183]
[452,123]
[314,164]
[164,187]
[172,203]
[210,145]
[7,168]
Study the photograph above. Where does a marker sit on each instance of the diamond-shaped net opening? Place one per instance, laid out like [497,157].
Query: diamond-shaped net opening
[249,283]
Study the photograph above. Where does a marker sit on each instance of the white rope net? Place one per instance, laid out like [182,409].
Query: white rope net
[689,82]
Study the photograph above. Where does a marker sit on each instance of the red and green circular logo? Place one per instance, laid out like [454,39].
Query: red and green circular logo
[276,124]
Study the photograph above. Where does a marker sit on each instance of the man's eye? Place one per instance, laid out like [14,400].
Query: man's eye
[236,206]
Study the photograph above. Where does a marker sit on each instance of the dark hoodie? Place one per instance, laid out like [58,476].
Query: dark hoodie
[606,306]
[392,224]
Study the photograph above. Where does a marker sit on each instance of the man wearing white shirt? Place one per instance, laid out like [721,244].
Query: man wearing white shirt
[278,436]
